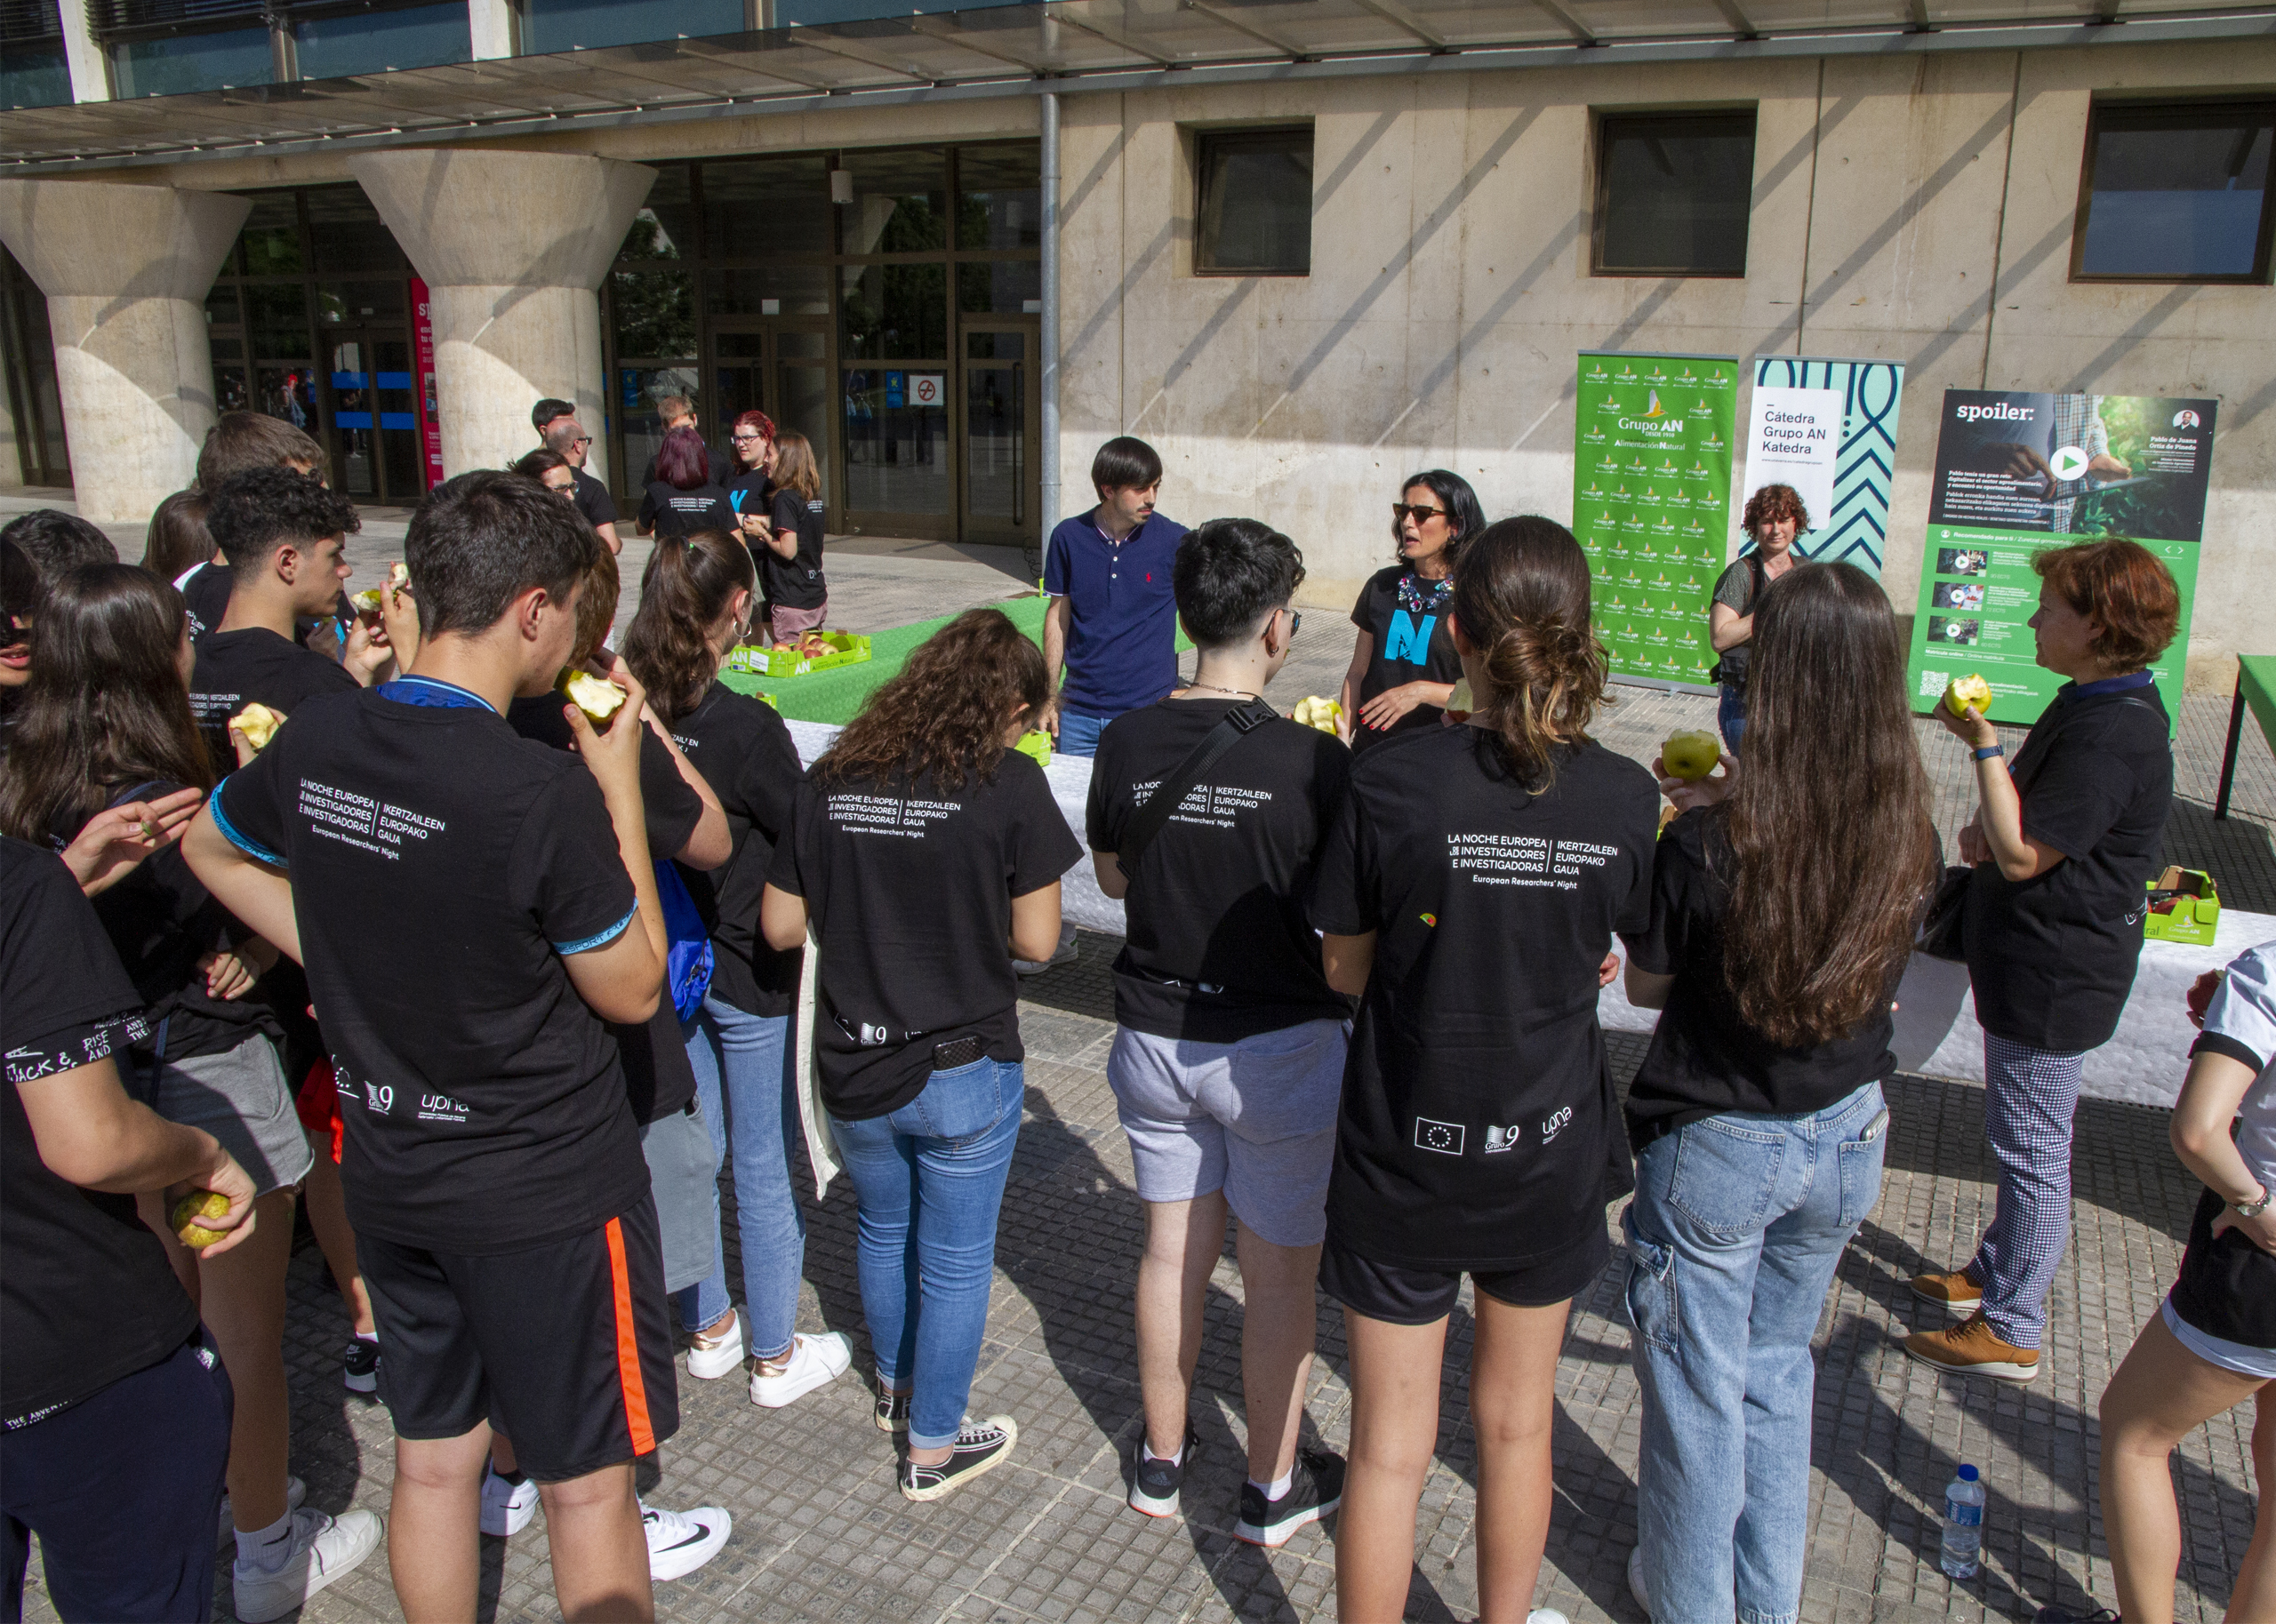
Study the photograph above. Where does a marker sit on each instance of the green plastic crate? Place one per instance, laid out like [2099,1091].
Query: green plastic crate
[846,648]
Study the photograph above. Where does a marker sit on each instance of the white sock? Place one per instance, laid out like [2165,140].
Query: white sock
[266,1548]
[368,1336]
[1279,1486]
[1176,1460]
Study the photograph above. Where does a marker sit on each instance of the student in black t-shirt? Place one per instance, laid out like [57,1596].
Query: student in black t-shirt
[1229,1055]
[107,721]
[556,425]
[695,605]
[1468,890]
[2061,846]
[790,557]
[750,484]
[927,852]
[1763,1086]
[1404,667]
[682,498]
[471,908]
[115,1407]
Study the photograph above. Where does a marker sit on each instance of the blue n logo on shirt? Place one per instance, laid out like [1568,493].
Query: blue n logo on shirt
[1407,638]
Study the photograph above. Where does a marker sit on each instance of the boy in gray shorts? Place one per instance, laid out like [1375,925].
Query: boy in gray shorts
[1229,1056]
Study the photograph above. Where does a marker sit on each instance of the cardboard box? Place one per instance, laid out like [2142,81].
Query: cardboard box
[2184,907]
[1036,744]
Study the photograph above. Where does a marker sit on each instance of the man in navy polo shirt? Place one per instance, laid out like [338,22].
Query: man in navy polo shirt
[1113,622]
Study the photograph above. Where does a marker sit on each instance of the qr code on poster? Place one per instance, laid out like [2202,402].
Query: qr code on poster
[1932,684]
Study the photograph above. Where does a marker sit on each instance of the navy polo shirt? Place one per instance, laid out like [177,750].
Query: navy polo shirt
[1122,631]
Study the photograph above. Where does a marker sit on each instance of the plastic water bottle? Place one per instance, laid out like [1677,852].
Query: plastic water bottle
[1963,1536]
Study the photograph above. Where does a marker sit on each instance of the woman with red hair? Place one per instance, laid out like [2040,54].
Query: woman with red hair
[1774,518]
[683,498]
[750,484]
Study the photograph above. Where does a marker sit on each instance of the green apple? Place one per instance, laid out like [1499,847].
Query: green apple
[1692,754]
[1963,692]
[189,1209]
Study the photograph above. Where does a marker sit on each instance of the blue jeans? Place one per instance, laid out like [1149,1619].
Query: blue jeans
[1730,717]
[1737,1224]
[930,1181]
[1078,734]
[756,1133]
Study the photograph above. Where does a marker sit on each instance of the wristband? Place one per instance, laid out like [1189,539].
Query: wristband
[1990,750]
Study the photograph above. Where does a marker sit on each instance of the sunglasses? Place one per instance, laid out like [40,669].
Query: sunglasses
[582,439]
[1420,514]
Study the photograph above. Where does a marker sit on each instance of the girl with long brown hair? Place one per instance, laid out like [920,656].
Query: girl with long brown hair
[695,605]
[1469,891]
[928,853]
[1763,1086]
[790,557]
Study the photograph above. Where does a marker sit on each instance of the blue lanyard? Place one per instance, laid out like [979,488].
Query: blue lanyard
[429,692]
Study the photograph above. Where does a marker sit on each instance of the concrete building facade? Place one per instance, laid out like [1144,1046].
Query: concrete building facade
[1916,194]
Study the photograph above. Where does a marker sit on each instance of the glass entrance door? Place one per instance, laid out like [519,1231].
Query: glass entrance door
[778,365]
[1002,406]
[375,425]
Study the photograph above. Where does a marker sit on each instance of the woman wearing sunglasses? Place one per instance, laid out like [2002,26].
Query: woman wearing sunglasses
[1404,667]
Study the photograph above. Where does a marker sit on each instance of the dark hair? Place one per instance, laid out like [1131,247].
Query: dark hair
[1464,517]
[106,709]
[944,713]
[1521,600]
[1229,575]
[687,586]
[57,541]
[2124,587]
[1773,502]
[547,409]
[242,440]
[539,461]
[1126,463]
[1812,948]
[178,539]
[254,512]
[596,604]
[795,469]
[682,461]
[22,588]
[479,541]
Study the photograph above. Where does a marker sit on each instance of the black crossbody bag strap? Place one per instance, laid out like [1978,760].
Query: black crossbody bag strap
[1168,795]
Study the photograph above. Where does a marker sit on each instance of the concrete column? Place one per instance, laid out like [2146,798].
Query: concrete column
[512,245]
[126,270]
[490,27]
[90,72]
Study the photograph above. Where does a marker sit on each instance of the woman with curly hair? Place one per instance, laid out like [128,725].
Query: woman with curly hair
[927,851]
[1774,518]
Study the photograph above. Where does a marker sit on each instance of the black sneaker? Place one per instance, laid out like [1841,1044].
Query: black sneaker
[979,1446]
[359,1365]
[1317,1489]
[1154,1482]
[892,1411]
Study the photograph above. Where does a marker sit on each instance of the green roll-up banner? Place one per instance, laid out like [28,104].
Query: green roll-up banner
[2020,471]
[1652,441]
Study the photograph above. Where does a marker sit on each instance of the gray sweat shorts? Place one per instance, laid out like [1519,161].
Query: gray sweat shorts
[241,1099]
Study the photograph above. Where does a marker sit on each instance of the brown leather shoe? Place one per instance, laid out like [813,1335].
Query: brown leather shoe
[1972,1348]
[1954,1290]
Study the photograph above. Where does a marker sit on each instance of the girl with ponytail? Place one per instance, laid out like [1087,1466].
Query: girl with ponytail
[1468,895]
[696,603]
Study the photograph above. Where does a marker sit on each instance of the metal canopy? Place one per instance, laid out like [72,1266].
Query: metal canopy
[1067,46]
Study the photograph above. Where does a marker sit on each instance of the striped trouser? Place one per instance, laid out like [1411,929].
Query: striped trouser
[2029,1098]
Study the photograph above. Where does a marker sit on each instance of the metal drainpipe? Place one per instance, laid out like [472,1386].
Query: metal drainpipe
[1047,334]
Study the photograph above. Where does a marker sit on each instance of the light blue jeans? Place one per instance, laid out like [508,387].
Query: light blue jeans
[755,1133]
[1737,1224]
[1730,717]
[930,1181]
[1078,734]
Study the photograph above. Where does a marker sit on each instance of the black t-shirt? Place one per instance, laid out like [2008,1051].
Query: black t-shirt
[442,869]
[1704,1059]
[744,752]
[910,888]
[1476,1128]
[87,1296]
[205,589]
[161,920]
[1218,949]
[593,499]
[751,490]
[668,511]
[657,1072]
[794,583]
[1404,618]
[2052,957]
[254,666]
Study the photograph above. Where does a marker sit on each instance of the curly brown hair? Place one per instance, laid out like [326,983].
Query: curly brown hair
[1775,502]
[946,712]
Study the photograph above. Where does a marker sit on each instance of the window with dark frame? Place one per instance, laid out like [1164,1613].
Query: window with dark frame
[1674,193]
[1254,203]
[2176,192]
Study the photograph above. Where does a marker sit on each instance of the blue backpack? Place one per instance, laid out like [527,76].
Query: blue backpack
[689,961]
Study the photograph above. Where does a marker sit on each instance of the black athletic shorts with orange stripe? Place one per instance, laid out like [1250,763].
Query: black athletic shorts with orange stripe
[567,1349]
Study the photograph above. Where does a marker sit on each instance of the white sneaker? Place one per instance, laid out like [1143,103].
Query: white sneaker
[815,1362]
[679,1542]
[295,1491]
[1636,1580]
[323,1549]
[506,1507]
[710,1361]
[1546,1615]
